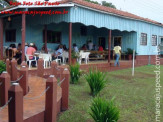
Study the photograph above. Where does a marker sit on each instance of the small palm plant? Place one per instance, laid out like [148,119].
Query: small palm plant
[96,81]
[104,111]
[75,73]
[2,66]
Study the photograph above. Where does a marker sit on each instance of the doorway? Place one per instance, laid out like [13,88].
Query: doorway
[102,42]
[160,43]
[117,40]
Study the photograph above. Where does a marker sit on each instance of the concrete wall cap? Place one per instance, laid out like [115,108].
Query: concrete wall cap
[15,84]
[51,76]
[65,69]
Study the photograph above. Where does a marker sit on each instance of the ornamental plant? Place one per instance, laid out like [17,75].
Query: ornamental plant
[2,66]
[96,81]
[75,73]
[104,111]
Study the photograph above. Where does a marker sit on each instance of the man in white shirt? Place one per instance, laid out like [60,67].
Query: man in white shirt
[90,45]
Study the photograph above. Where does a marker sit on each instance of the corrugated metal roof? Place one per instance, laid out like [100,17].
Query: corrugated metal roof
[110,10]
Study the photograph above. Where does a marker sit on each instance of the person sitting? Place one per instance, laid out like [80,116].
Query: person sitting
[75,48]
[95,47]
[65,48]
[43,48]
[84,47]
[30,51]
[14,49]
[26,46]
[19,53]
[58,52]
[34,46]
[100,48]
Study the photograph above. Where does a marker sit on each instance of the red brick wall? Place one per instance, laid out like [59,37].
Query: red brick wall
[144,59]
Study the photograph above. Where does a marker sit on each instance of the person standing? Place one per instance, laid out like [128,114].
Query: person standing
[90,45]
[116,53]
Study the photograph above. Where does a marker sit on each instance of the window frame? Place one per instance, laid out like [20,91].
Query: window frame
[49,32]
[142,41]
[7,35]
[152,42]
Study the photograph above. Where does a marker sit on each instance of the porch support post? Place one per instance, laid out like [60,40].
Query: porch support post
[23,36]
[109,46]
[45,27]
[1,38]
[70,39]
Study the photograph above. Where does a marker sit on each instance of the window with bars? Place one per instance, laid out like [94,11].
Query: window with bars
[143,40]
[52,36]
[10,35]
[154,40]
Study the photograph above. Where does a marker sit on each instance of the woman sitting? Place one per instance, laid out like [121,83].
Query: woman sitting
[58,52]
[75,48]
[18,54]
[84,47]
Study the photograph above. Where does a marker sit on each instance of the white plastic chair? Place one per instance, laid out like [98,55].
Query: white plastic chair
[29,60]
[46,58]
[84,55]
[64,56]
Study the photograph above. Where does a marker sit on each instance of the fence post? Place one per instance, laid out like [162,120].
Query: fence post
[4,87]
[13,70]
[53,68]
[15,107]
[40,68]
[51,100]
[8,68]
[24,64]
[24,80]
[65,89]
[60,72]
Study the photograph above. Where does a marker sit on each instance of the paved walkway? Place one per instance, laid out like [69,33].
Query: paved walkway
[34,101]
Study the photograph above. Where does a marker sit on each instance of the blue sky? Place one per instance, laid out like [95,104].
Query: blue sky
[152,9]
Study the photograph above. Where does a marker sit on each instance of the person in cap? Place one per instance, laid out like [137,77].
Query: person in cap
[30,51]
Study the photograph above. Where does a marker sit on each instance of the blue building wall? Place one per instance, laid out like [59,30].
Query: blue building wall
[98,24]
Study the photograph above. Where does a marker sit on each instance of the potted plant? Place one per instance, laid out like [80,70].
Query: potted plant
[74,56]
[129,52]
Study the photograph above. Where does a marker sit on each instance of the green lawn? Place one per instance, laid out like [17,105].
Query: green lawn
[134,96]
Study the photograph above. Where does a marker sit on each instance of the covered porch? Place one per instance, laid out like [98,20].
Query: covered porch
[54,31]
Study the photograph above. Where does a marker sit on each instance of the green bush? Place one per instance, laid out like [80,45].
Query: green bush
[96,81]
[104,111]
[75,73]
[2,66]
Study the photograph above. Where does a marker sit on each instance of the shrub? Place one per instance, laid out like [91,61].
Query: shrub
[2,66]
[96,81]
[75,73]
[104,111]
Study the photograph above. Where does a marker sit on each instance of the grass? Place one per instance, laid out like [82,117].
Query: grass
[134,96]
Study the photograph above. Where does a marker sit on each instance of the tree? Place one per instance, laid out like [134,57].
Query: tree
[104,3]
[95,2]
[3,4]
